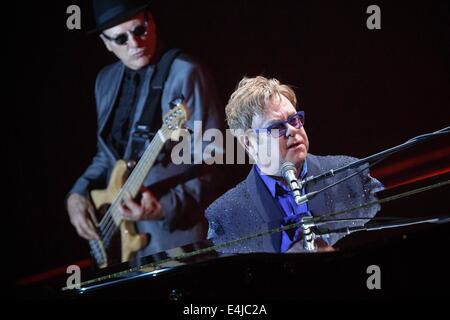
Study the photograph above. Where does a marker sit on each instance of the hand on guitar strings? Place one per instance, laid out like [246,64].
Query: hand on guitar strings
[148,208]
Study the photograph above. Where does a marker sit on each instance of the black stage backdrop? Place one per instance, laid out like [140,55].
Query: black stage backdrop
[363,90]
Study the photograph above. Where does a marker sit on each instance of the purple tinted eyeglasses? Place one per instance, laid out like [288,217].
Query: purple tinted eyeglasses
[278,129]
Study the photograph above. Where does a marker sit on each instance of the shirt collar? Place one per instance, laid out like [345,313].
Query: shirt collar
[272,184]
[140,73]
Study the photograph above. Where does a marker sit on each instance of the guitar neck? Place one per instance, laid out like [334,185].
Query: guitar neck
[142,168]
[173,120]
[139,173]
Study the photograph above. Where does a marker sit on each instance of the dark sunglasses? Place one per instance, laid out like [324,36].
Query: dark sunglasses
[122,39]
[278,129]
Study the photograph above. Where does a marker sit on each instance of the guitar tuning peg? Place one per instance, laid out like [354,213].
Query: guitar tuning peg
[131,164]
[176,101]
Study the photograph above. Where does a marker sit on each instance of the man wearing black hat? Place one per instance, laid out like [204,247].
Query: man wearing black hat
[171,207]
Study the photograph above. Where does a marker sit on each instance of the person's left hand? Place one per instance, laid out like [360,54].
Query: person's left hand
[148,208]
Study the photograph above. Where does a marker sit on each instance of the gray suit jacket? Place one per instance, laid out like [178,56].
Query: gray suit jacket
[249,208]
[180,188]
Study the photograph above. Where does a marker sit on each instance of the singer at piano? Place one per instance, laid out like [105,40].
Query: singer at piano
[264,111]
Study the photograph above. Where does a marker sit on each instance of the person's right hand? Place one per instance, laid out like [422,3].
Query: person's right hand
[81,213]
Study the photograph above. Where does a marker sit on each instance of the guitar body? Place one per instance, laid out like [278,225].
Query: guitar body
[130,240]
[115,247]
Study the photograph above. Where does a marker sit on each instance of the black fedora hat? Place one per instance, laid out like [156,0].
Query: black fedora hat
[108,13]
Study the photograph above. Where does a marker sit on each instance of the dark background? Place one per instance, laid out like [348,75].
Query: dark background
[362,90]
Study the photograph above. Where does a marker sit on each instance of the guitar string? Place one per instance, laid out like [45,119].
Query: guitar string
[108,225]
[108,220]
[111,227]
[111,216]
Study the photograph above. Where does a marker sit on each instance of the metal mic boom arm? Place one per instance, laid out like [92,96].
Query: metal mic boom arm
[378,156]
[381,226]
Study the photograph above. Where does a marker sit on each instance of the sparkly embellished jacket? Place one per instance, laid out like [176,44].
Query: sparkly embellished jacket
[249,208]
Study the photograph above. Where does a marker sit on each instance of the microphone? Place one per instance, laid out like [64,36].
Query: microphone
[289,173]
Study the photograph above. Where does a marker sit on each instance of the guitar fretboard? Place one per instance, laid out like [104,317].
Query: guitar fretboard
[133,183]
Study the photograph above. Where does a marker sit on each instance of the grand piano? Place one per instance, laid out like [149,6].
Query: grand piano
[411,266]
[411,261]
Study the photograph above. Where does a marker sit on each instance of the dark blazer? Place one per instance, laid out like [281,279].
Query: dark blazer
[249,208]
[181,189]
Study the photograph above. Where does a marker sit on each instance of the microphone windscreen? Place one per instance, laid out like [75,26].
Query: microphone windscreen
[286,167]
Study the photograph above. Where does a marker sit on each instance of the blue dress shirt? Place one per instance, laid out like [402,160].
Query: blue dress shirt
[291,211]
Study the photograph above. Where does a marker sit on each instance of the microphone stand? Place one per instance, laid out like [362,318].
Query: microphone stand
[308,222]
[382,226]
[378,156]
[308,234]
